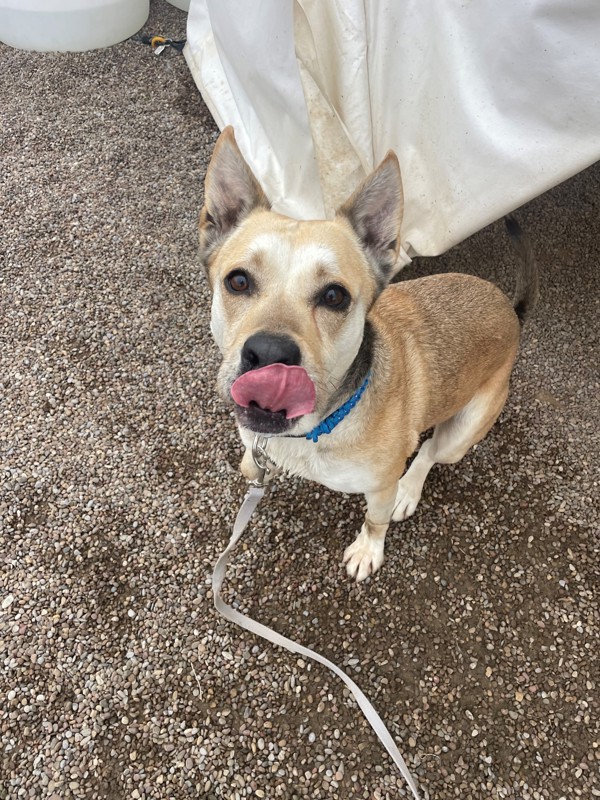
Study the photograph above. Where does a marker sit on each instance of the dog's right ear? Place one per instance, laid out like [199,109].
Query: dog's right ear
[375,212]
[231,192]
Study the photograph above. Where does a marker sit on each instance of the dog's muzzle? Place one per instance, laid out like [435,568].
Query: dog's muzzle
[273,390]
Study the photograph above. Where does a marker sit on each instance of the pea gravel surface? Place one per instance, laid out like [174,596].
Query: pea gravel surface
[478,639]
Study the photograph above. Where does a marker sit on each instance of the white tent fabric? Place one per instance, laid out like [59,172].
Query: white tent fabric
[487,105]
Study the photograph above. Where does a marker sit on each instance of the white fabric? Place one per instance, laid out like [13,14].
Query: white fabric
[252,499]
[242,57]
[487,104]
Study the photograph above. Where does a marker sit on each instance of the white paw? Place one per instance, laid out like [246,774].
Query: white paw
[364,556]
[407,500]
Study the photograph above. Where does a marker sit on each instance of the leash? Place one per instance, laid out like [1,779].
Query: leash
[253,497]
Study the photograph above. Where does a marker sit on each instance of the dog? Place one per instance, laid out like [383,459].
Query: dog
[339,370]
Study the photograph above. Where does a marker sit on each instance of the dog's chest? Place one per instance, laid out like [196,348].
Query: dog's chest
[307,460]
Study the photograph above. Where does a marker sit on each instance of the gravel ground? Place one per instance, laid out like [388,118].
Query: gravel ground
[478,639]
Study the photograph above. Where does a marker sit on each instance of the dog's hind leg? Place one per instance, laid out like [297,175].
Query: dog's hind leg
[451,440]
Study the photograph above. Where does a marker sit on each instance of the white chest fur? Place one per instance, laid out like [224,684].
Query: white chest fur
[318,462]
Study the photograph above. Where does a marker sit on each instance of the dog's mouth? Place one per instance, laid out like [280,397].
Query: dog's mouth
[272,398]
[261,420]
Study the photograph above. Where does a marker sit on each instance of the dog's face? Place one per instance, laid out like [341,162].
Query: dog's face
[290,298]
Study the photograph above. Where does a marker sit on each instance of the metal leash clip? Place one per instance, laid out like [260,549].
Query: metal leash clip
[261,459]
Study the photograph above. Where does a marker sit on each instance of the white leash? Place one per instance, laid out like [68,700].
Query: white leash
[252,499]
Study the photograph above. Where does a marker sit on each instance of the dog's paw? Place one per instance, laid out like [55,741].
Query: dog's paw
[407,500]
[364,556]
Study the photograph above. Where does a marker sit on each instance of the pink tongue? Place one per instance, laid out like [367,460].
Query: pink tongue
[275,388]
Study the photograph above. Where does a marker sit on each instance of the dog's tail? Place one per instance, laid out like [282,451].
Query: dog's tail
[527,289]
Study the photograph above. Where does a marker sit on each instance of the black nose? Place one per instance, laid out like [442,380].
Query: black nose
[262,349]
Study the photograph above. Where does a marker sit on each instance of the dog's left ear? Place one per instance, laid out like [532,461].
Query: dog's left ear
[375,212]
[231,192]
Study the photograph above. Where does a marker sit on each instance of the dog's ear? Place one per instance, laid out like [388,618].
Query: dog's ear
[375,212]
[231,192]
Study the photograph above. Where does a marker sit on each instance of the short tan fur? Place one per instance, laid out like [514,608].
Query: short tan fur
[439,350]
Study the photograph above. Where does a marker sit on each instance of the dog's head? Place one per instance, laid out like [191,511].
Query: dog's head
[291,298]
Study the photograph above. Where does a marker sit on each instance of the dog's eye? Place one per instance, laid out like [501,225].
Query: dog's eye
[335,297]
[238,282]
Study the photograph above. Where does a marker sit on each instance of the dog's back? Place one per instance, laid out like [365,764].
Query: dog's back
[463,329]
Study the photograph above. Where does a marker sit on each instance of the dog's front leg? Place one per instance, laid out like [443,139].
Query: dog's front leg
[365,554]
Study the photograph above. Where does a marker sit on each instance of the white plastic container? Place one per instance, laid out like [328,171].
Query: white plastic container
[70,25]
[184,5]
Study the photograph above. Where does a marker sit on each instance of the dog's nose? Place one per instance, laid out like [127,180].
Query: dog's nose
[262,349]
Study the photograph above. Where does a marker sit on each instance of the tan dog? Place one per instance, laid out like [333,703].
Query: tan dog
[305,320]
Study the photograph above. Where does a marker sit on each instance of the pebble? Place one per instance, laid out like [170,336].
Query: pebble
[7,601]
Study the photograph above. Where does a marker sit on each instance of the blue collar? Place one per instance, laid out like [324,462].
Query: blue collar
[334,419]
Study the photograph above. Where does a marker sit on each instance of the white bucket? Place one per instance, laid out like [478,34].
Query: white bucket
[74,25]
[184,5]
